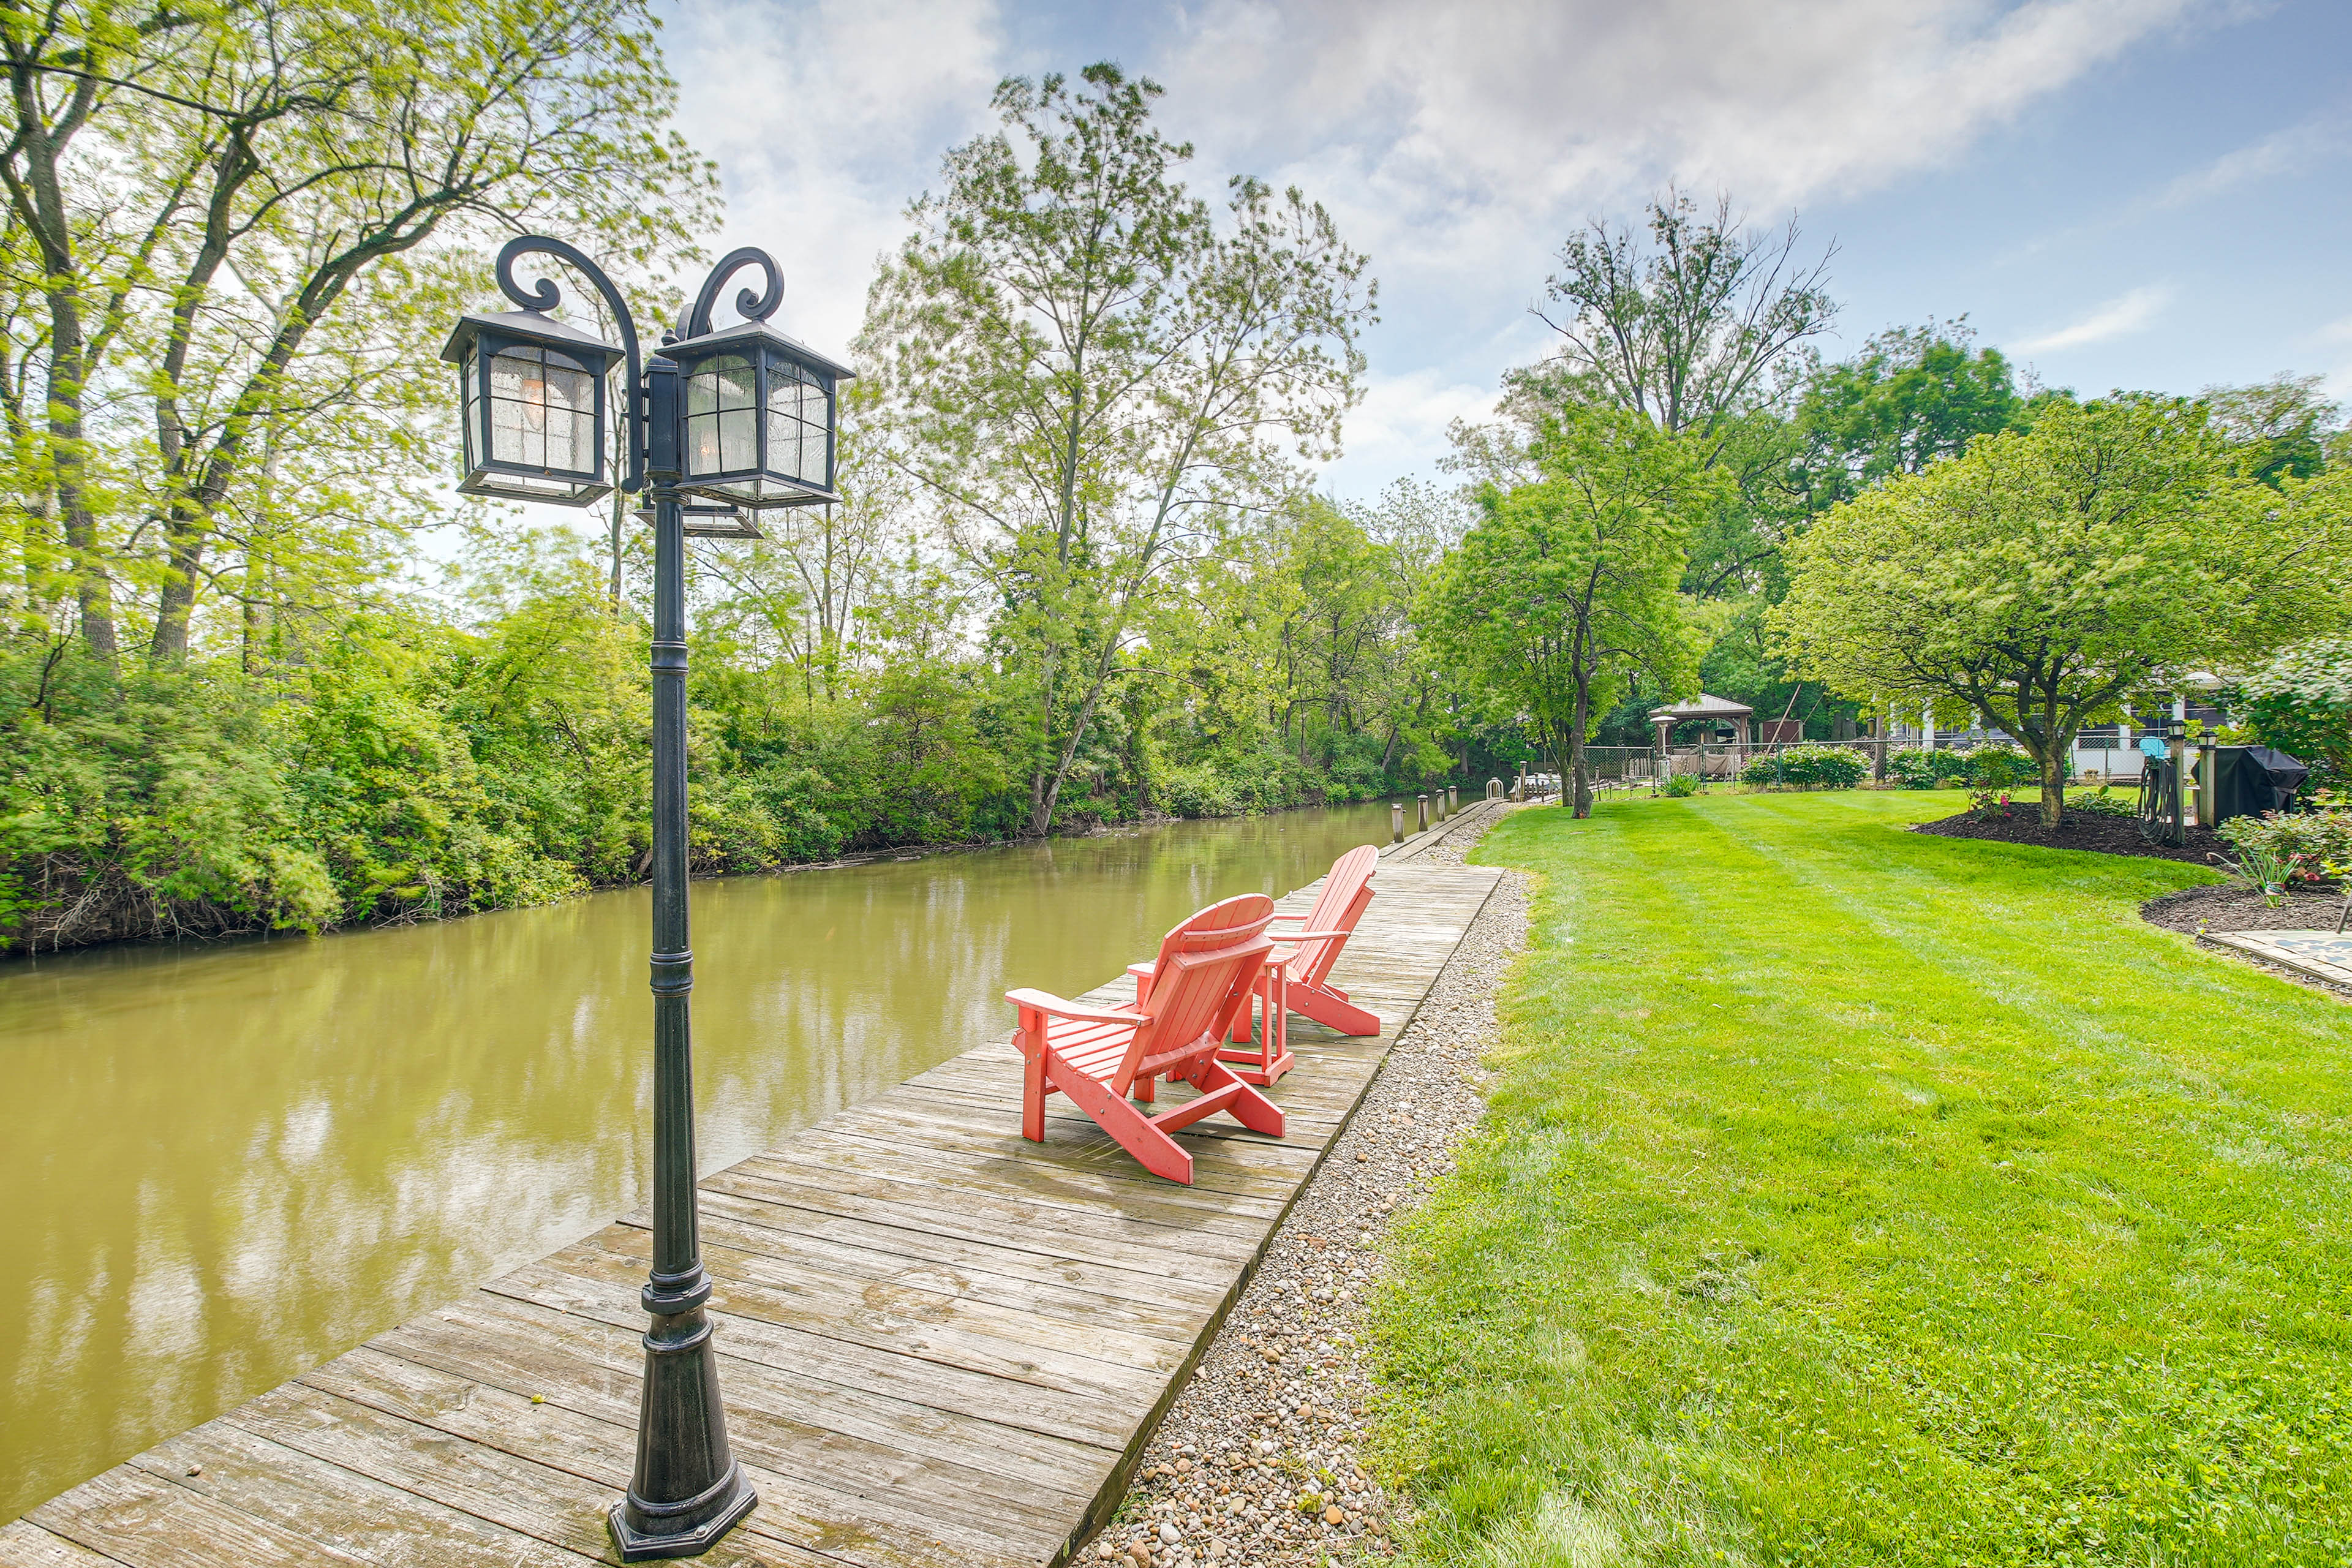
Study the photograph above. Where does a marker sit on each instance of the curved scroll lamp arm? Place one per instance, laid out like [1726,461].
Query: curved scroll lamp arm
[546,297]
[751,307]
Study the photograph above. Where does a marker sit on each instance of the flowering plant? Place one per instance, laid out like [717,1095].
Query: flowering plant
[1991,805]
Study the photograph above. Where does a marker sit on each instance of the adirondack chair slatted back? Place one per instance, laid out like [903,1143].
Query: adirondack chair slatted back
[1205,966]
[1338,907]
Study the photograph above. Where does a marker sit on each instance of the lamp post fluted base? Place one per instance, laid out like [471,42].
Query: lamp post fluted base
[645,1533]
[688,1490]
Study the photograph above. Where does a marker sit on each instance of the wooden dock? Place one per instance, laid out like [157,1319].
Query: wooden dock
[939,1343]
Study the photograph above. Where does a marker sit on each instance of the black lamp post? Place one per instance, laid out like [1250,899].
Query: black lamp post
[751,428]
[2176,752]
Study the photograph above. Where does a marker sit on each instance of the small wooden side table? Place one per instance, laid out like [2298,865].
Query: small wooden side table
[1265,1056]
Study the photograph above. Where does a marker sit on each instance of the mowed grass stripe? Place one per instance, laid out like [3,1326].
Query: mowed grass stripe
[1853,1196]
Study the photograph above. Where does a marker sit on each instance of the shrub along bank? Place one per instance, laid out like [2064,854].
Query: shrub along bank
[1981,767]
[1825,767]
[409,770]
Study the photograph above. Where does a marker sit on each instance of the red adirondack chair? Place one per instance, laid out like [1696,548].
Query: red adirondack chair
[1263,1054]
[1296,976]
[1308,954]
[1098,1056]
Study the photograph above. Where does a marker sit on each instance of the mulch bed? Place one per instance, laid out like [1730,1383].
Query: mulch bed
[2079,830]
[2193,912]
[2194,909]
[2198,911]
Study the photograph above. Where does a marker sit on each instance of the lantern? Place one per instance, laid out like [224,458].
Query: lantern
[712,519]
[534,407]
[758,414]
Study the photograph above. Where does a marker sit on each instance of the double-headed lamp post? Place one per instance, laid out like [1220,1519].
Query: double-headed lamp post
[739,421]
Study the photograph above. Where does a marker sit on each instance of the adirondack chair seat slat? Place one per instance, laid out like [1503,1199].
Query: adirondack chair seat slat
[1099,1056]
[1093,1039]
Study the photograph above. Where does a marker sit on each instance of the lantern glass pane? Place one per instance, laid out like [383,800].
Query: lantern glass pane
[470,375]
[797,424]
[720,418]
[571,413]
[542,411]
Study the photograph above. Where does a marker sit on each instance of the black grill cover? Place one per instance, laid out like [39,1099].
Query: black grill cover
[2252,779]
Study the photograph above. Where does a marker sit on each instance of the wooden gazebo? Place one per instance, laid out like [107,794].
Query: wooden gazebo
[1714,710]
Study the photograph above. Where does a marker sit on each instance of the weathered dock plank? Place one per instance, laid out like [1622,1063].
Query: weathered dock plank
[939,1344]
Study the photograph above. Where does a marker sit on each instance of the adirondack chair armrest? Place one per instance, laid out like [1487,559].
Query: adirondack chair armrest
[1314,935]
[1054,1006]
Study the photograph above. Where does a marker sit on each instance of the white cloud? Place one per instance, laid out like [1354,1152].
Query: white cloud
[1445,130]
[1459,145]
[2125,313]
[2281,153]
[1456,144]
[826,119]
[1400,427]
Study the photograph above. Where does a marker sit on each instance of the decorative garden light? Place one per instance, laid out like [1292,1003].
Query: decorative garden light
[759,406]
[534,407]
[751,428]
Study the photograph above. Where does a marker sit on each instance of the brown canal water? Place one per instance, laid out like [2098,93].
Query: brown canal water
[223,1164]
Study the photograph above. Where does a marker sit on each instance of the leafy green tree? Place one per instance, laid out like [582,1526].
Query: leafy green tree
[1686,329]
[1699,323]
[1912,396]
[1087,370]
[1341,621]
[1565,587]
[795,597]
[1214,667]
[2281,428]
[2048,574]
[938,775]
[1412,697]
[2301,703]
[251,222]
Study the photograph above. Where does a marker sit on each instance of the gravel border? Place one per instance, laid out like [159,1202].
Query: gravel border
[1258,1460]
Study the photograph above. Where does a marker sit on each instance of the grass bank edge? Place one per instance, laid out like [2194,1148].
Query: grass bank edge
[1677,1459]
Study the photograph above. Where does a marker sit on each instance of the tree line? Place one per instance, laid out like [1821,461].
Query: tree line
[1686,493]
[260,669]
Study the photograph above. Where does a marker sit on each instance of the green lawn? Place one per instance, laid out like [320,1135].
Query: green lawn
[1856,1196]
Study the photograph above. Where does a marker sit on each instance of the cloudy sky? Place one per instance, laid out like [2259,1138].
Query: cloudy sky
[2120,193]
